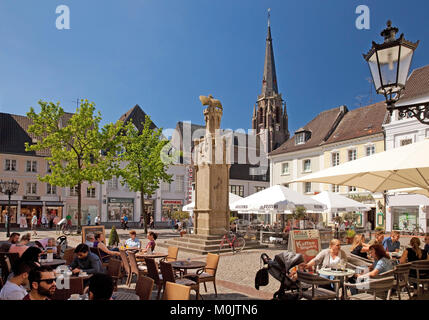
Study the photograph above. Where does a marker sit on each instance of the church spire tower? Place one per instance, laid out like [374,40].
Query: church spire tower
[270,119]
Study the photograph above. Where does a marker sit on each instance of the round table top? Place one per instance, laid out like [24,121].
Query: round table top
[152,255]
[335,273]
[119,295]
[395,254]
[54,262]
[184,264]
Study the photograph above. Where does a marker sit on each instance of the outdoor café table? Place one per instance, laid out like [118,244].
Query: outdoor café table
[338,274]
[120,295]
[141,256]
[185,265]
[54,263]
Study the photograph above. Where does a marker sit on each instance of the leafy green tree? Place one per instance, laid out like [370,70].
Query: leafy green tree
[145,167]
[79,150]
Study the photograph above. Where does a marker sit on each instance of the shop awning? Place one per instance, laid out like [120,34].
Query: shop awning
[6,202]
[31,203]
[54,204]
[408,200]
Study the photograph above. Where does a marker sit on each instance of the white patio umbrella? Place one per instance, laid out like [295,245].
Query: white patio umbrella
[276,199]
[337,203]
[403,167]
[232,198]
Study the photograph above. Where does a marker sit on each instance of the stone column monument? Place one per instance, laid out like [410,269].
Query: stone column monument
[211,175]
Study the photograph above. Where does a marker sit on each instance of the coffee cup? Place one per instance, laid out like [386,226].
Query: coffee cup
[75,296]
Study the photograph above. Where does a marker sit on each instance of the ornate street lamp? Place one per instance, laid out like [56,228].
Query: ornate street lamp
[9,188]
[389,64]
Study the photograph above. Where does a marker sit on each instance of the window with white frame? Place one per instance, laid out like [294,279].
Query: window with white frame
[90,192]
[31,166]
[370,150]
[238,190]
[335,188]
[307,187]
[113,183]
[335,159]
[259,188]
[352,189]
[352,154]
[50,189]
[9,165]
[306,165]
[31,188]
[300,138]
[74,191]
[180,180]
[165,187]
[285,168]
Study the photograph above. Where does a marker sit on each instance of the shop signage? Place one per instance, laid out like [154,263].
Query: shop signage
[164,202]
[31,198]
[305,242]
[121,200]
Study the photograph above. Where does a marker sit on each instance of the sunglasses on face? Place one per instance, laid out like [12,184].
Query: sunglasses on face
[48,281]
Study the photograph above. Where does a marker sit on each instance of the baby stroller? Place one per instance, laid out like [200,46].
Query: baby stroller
[279,269]
[62,241]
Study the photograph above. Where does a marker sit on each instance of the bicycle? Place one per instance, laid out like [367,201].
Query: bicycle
[67,229]
[235,241]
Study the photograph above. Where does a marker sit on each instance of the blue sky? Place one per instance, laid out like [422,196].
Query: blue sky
[163,54]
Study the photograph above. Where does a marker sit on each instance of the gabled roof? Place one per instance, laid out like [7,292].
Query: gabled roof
[320,128]
[14,133]
[360,122]
[417,84]
[137,115]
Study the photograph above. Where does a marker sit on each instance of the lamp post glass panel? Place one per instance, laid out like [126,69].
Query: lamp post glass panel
[9,188]
[389,63]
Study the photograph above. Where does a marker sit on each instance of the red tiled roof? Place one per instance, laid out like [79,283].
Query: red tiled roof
[417,84]
[360,122]
[319,127]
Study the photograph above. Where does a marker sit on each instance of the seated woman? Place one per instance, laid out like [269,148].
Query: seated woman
[133,242]
[152,236]
[414,253]
[329,258]
[358,247]
[104,251]
[22,245]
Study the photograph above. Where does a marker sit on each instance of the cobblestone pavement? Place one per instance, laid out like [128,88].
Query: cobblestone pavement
[235,275]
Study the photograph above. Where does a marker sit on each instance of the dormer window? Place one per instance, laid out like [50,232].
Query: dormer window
[302,136]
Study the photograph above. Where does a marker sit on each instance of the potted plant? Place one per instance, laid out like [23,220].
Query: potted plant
[350,235]
[113,237]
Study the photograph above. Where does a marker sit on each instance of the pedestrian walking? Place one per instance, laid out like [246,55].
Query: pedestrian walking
[34,224]
[97,220]
[88,219]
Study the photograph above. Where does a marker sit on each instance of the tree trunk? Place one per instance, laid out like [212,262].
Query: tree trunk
[79,207]
[143,211]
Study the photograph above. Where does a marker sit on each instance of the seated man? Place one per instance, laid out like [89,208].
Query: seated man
[42,284]
[86,261]
[133,242]
[392,243]
[13,239]
[100,287]
[14,287]
[21,246]
[90,239]
[379,238]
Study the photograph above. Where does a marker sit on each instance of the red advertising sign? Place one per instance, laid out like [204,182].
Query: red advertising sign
[172,202]
[308,248]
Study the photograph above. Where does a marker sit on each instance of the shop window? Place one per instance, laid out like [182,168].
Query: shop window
[9,165]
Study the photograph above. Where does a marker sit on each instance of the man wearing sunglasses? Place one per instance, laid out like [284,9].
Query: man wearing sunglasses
[42,284]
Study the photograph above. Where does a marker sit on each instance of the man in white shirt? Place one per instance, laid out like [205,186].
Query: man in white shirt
[133,242]
[97,220]
[14,287]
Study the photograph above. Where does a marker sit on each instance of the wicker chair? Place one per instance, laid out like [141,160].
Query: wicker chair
[153,273]
[135,269]
[168,275]
[420,274]
[315,292]
[125,265]
[175,291]
[172,254]
[401,273]
[114,270]
[144,287]
[208,273]
[69,255]
[377,289]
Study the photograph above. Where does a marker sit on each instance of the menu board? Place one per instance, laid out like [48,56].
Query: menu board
[305,242]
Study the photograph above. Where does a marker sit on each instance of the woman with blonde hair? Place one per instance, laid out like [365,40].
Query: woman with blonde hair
[359,248]
[414,253]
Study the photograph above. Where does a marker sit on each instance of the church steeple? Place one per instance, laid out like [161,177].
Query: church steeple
[270,119]
[269,80]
